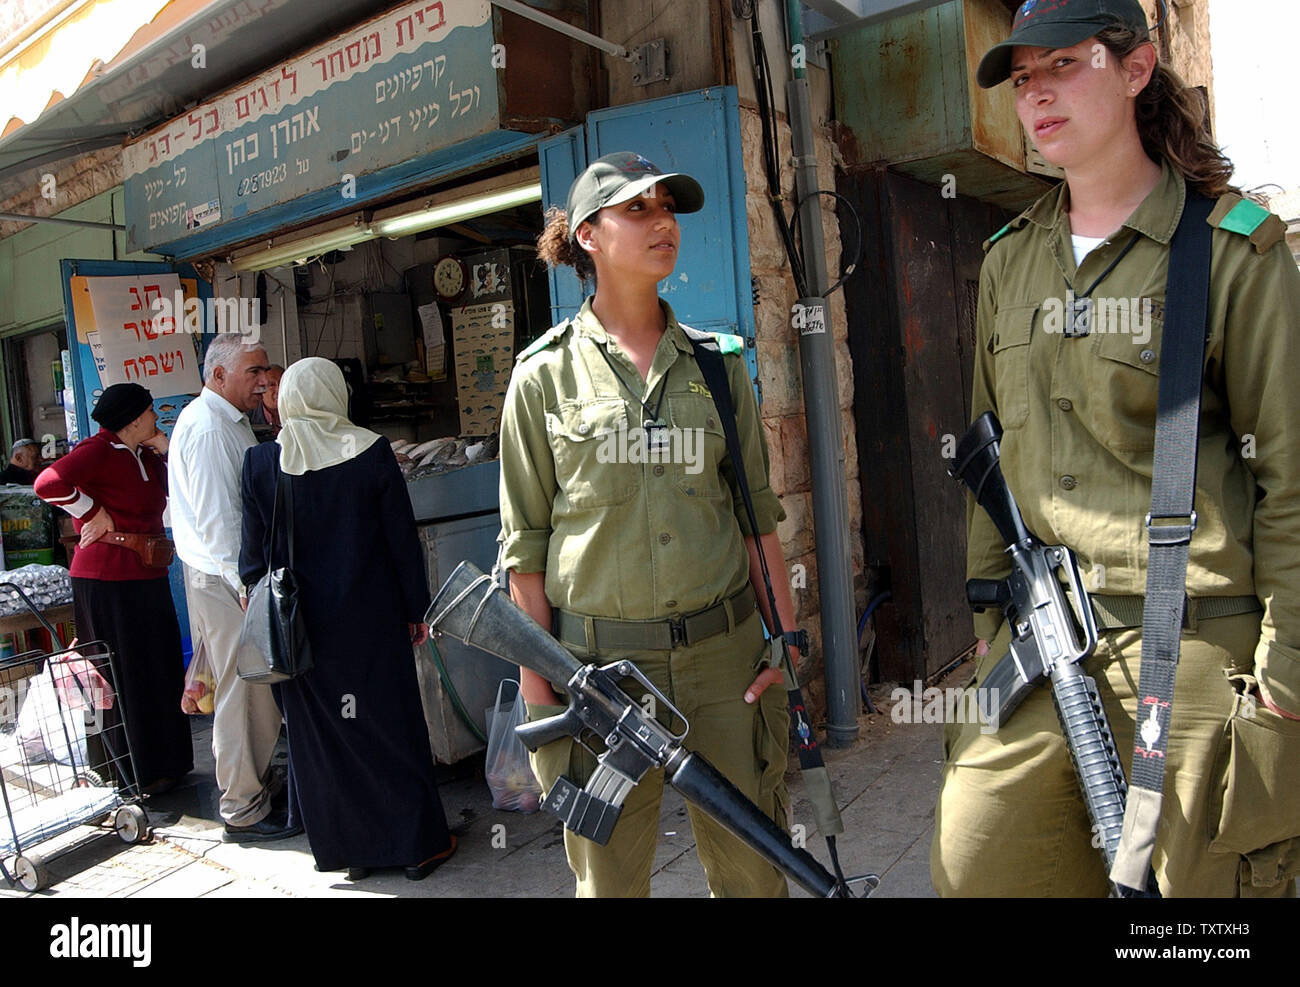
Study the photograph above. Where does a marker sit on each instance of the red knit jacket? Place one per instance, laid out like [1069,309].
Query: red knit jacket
[101,472]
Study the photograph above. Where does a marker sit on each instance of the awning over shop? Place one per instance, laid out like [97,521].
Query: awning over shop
[100,71]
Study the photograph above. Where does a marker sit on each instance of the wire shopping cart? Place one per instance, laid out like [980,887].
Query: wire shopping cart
[64,754]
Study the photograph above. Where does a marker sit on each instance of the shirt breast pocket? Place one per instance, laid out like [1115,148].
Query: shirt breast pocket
[1123,393]
[589,441]
[698,445]
[1012,331]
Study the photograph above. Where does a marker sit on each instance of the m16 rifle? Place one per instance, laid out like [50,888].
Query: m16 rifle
[1052,634]
[472,608]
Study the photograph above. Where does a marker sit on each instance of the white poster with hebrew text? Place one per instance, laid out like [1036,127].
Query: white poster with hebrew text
[141,344]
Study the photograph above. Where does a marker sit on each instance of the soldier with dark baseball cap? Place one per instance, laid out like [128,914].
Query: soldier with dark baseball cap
[622,176]
[1057,24]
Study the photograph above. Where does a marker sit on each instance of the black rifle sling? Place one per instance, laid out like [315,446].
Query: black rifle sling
[1169,529]
[714,371]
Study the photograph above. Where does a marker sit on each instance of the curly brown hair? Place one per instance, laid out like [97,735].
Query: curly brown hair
[1173,120]
[556,245]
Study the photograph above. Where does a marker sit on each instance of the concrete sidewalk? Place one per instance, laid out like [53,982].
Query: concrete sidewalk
[886,785]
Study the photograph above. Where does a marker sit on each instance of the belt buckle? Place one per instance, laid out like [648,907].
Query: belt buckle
[677,631]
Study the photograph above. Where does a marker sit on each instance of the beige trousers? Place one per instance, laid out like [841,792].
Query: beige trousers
[747,744]
[246,721]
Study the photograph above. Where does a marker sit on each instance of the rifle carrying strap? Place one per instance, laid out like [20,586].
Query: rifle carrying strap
[817,783]
[1169,531]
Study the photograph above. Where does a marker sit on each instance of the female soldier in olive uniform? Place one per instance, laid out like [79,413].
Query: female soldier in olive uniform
[1079,417]
[647,557]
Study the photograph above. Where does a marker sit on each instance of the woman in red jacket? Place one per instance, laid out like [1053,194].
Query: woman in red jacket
[114,484]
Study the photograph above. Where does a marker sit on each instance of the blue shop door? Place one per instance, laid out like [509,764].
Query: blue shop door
[562,158]
[86,385]
[697,133]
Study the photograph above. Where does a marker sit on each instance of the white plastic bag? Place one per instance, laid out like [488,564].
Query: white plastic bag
[47,728]
[509,775]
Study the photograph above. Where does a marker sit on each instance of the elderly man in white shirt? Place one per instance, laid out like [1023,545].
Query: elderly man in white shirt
[203,472]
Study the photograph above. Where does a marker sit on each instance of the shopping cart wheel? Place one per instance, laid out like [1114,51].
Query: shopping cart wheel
[31,872]
[131,824]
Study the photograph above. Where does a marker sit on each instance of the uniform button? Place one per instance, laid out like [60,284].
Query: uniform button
[671,604]
[1069,482]
[1147,356]
[665,538]
[584,428]
[659,471]
[1065,404]
[709,422]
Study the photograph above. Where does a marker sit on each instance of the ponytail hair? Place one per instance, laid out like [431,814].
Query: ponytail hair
[1173,120]
[556,246]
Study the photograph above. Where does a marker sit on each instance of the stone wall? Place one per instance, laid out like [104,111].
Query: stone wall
[75,180]
[1189,42]
[779,377]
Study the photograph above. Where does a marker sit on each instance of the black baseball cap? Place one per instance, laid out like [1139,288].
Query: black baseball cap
[622,176]
[1057,24]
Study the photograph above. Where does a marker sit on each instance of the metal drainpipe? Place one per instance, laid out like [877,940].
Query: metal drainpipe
[825,439]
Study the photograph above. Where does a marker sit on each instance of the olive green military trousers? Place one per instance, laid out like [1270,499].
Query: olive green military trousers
[707,682]
[1010,821]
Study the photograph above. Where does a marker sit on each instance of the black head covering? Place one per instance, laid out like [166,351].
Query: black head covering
[120,405]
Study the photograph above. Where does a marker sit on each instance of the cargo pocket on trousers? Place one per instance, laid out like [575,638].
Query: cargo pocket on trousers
[1256,811]
[771,747]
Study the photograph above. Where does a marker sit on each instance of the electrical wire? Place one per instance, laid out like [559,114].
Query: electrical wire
[845,272]
[771,153]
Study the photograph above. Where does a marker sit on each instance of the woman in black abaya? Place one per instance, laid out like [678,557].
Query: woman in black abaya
[359,749]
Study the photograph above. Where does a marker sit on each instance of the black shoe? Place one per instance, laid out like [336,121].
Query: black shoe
[358,873]
[273,827]
[418,872]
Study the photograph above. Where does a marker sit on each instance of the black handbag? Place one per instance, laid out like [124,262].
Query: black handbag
[273,643]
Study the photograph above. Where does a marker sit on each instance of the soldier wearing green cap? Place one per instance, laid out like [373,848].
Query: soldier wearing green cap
[1079,413]
[623,531]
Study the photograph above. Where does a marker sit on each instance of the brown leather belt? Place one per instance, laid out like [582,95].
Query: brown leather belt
[156,551]
[599,634]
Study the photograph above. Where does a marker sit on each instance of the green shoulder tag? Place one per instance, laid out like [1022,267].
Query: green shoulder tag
[546,339]
[728,342]
[1244,218]
[1011,227]
[1000,233]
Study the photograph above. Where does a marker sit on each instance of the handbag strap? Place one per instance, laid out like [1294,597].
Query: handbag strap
[281,505]
[1173,492]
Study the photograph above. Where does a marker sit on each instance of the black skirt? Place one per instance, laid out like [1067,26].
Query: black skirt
[137,619]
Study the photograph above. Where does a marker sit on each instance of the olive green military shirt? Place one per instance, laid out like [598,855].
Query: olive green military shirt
[1079,413]
[619,531]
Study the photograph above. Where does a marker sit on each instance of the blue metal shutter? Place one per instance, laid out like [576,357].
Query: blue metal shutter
[563,157]
[697,133]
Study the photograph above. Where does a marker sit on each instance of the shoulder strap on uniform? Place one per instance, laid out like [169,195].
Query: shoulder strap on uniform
[1169,525]
[1011,227]
[548,338]
[1249,219]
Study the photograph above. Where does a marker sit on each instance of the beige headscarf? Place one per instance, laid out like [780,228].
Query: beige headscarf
[315,431]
